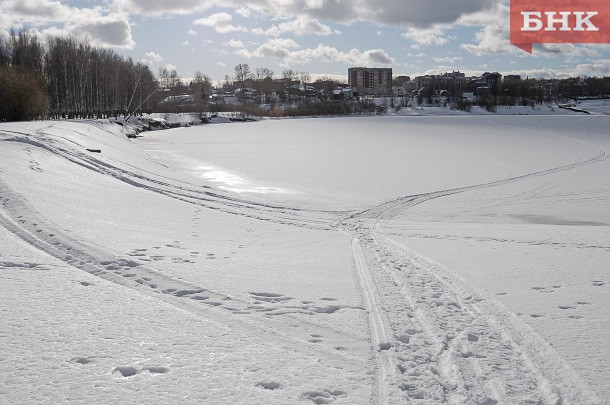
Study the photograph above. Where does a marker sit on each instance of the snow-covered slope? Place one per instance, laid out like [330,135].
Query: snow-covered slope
[385,260]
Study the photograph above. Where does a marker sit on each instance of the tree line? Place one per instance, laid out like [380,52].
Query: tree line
[65,77]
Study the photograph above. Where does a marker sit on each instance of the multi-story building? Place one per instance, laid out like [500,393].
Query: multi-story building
[370,80]
[453,83]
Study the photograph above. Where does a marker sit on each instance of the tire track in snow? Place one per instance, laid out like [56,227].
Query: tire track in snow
[380,341]
[25,223]
[450,342]
[443,338]
[389,209]
[460,347]
[507,353]
[268,318]
[199,195]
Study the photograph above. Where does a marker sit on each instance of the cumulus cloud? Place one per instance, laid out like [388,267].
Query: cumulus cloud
[234,44]
[39,10]
[598,68]
[448,59]
[283,42]
[427,37]
[494,36]
[221,22]
[405,13]
[161,7]
[107,31]
[283,50]
[153,57]
[492,39]
[423,13]
[55,18]
[301,26]
[244,12]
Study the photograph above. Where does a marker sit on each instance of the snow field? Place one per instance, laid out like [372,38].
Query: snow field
[383,260]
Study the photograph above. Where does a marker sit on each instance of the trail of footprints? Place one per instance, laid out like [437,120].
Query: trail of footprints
[445,349]
[266,303]
[567,307]
[121,371]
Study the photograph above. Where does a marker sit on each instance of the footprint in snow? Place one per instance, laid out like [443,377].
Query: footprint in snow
[270,297]
[130,371]
[81,360]
[268,385]
[126,371]
[156,369]
[325,396]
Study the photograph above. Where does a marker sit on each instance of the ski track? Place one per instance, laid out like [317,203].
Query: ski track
[434,338]
[454,343]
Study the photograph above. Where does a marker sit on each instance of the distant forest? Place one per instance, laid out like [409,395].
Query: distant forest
[68,78]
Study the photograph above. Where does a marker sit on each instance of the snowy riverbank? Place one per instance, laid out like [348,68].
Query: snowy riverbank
[351,260]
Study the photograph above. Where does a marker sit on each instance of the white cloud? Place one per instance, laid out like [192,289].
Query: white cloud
[221,22]
[185,43]
[234,44]
[492,39]
[301,26]
[44,11]
[598,68]
[192,33]
[426,37]
[283,42]
[404,13]
[448,59]
[161,7]
[244,12]
[50,17]
[110,31]
[494,36]
[314,4]
[281,50]
[153,57]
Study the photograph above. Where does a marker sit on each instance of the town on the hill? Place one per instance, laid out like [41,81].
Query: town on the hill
[69,78]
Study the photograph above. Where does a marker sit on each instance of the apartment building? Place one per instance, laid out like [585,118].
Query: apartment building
[370,81]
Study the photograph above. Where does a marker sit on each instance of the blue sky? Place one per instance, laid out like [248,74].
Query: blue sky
[321,37]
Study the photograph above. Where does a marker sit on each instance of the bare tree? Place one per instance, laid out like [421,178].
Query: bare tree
[27,51]
[5,50]
[242,73]
[264,81]
[288,75]
[304,77]
[202,88]
[86,81]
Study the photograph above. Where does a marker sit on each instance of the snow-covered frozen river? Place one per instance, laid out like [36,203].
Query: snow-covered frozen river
[348,260]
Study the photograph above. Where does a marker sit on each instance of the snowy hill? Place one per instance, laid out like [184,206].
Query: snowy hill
[354,260]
